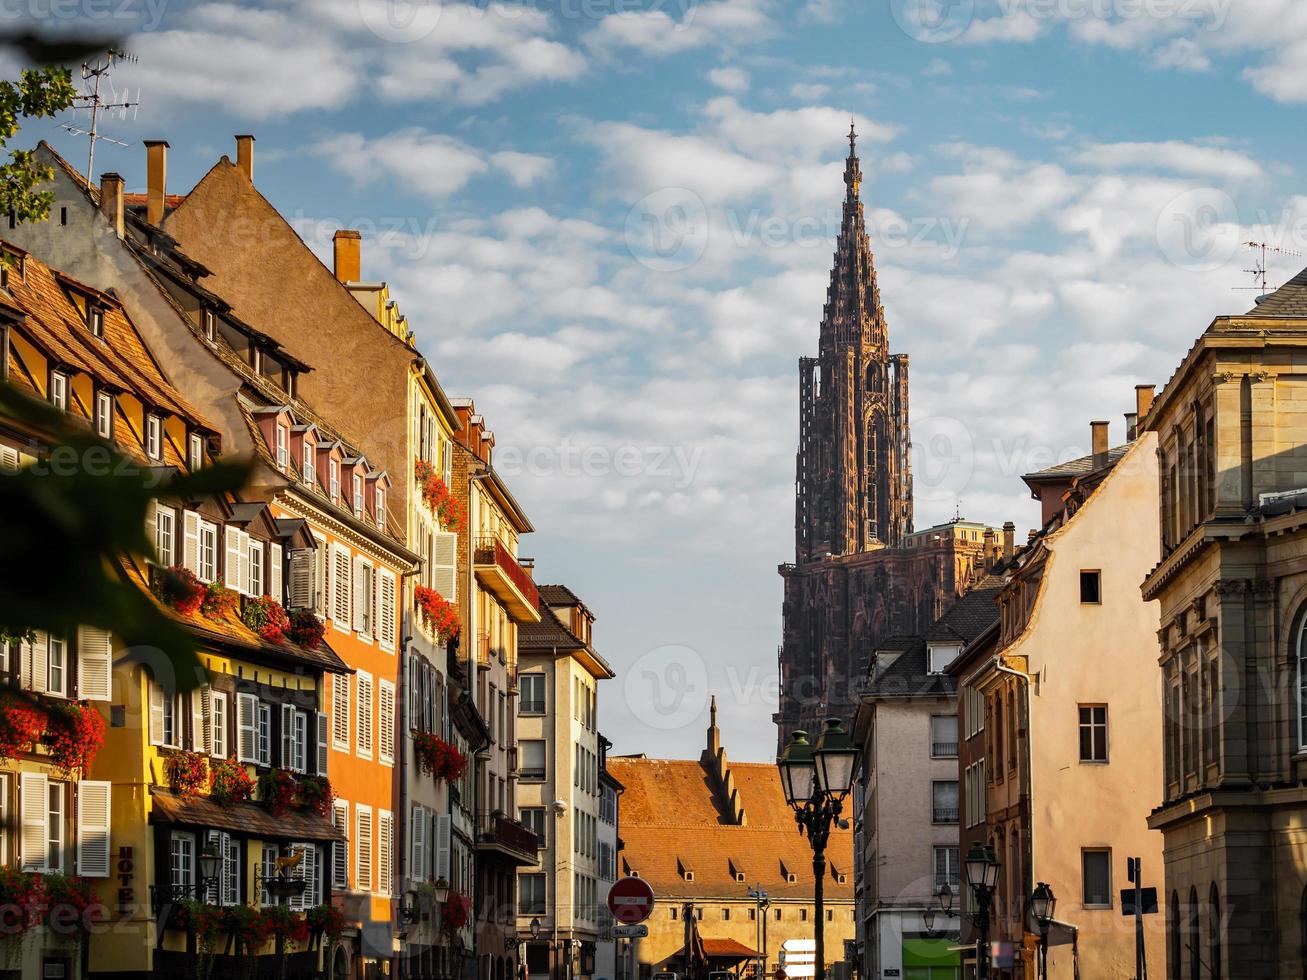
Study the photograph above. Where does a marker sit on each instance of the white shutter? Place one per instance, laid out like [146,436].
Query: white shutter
[156,714]
[341,574]
[321,722]
[247,711]
[287,736]
[340,711]
[231,870]
[93,828]
[200,719]
[232,566]
[363,848]
[444,564]
[309,872]
[36,821]
[191,541]
[36,662]
[301,579]
[417,854]
[94,664]
[244,559]
[274,574]
[362,596]
[442,843]
[363,724]
[340,848]
[386,722]
[152,526]
[386,609]
[385,851]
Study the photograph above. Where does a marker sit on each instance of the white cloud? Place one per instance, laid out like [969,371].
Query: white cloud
[430,163]
[524,169]
[1183,53]
[730,79]
[809,91]
[1174,156]
[937,68]
[655,32]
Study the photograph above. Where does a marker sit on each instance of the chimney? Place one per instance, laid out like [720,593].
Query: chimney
[111,200]
[1143,401]
[156,166]
[348,263]
[245,155]
[1131,426]
[1009,540]
[1030,538]
[1098,439]
[990,548]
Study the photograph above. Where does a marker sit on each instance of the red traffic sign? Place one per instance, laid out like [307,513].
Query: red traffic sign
[631,900]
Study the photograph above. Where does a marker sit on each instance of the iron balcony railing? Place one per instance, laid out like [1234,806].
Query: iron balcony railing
[491,551]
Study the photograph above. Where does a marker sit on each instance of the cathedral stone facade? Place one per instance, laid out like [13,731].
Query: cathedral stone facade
[860,573]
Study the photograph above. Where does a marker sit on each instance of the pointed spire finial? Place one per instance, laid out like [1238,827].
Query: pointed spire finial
[712,712]
[853,138]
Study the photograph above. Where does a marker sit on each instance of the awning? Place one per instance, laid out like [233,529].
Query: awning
[247,819]
[723,949]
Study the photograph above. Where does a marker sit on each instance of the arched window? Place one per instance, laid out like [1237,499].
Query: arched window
[1173,921]
[1302,683]
[1214,926]
[1191,922]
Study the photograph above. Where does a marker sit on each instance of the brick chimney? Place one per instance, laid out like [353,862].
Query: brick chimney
[1099,441]
[991,549]
[156,176]
[1009,540]
[1131,426]
[348,261]
[245,155]
[111,200]
[1143,400]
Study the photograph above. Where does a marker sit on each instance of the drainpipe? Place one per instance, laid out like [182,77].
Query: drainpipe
[474,678]
[1030,773]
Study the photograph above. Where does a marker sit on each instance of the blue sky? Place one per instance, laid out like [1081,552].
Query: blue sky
[611,223]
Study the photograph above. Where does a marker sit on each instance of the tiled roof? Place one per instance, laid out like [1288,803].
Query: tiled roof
[549,633]
[723,949]
[559,595]
[1289,300]
[248,819]
[1076,467]
[670,813]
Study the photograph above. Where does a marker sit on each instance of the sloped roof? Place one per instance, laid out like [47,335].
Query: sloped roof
[548,634]
[247,819]
[1289,300]
[559,595]
[1077,467]
[670,813]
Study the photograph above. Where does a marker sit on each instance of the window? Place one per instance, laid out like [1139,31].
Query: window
[104,415]
[264,735]
[334,469]
[946,868]
[283,448]
[363,725]
[944,801]
[308,474]
[531,894]
[532,765]
[170,713]
[379,506]
[59,390]
[941,656]
[218,724]
[299,741]
[358,495]
[208,325]
[1096,875]
[533,819]
[1093,733]
[95,321]
[195,451]
[58,798]
[270,856]
[1091,587]
[207,558]
[532,698]
[165,536]
[57,673]
[182,853]
[944,737]
[153,437]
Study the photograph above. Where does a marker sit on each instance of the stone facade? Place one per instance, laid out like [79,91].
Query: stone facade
[1232,586]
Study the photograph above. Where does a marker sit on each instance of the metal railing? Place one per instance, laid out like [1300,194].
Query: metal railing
[944,814]
[943,750]
[491,551]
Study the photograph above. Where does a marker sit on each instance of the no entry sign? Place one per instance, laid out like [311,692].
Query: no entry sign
[631,900]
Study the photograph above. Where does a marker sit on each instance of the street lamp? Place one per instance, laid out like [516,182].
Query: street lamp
[945,899]
[815,782]
[1042,904]
[982,876]
[535,928]
[210,859]
[762,902]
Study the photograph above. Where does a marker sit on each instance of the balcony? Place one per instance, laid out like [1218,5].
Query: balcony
[500,574]
[943,750]
[505,836]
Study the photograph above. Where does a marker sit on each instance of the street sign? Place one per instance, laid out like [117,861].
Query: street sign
[630,932]
[799,957]
[631,900]
[1147,901]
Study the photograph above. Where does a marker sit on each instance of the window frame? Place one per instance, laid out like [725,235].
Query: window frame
[58,390]
[524,705]
[1095,575]
[1093,727]
[1085,852]
[103,416]
[153,437]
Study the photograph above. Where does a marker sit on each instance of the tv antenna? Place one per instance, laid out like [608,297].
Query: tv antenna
[1258,271]
[91,100]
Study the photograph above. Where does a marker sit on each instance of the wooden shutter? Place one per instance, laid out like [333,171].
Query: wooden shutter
[340,710]
[156,713]
[301,579]
[385,851]
[245,563]
[191,541]
[274,573]
[200,732]
[386,590]
[93,828]
[321,722]
[94,664]
[444,564]
[36,821]
[442,844]
[36,662]
[287,736]
[340,848]
[363,725]
[417,855]
[386,721]
[363,849]
[362,595]
[247,711]
[231,870]
[341,610]
[152,527]
[232,565]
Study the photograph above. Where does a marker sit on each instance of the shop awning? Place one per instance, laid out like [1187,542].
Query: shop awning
[247,819]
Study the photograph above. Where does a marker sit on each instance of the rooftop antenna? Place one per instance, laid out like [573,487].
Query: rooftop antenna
[1258,272]
[92,73]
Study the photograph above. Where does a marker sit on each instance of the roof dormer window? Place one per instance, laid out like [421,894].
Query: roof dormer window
[309,474]
[283,447]
[379,506]
[59,390]
[358,495]
[104,414]
[210,325]
[154,437]
[334,469]
[95,321]
[195,451]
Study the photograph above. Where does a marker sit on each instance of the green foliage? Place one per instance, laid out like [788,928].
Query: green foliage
[39,93]
[73,515]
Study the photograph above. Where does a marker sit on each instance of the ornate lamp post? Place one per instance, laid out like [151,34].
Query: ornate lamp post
[815,781]
[1042,904]
[945,899]
[982,876]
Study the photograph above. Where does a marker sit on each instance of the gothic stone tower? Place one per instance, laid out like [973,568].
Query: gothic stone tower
[860,575]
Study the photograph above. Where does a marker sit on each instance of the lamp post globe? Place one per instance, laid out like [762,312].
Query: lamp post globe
[835,756]
[798,770]
[1042,904]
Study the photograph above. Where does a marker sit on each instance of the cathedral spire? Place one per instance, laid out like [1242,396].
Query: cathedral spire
[852,168]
